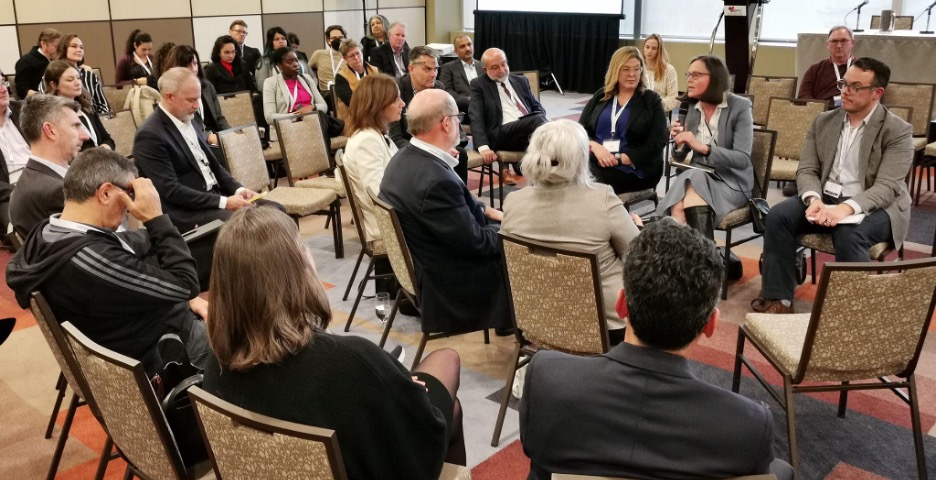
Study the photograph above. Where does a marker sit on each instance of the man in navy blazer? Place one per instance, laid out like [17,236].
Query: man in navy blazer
[504,112]
[452,237]
[638,411]
[457,76]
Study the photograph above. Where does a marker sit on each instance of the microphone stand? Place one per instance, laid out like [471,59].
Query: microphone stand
[929,11]
[858,22]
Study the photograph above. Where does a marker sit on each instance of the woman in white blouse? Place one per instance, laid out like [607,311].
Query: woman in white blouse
[661,75]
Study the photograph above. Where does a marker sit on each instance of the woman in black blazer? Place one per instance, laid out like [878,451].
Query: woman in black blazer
[63,80]
[226,71]
[626,127]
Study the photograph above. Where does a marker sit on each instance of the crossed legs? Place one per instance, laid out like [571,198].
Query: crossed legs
[445,366]
[692,199]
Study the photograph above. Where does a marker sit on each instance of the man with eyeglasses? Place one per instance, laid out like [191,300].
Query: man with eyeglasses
[249,55]
[124,290]
[503,111]
[353,70]
[328,61]
[851,184]
[819,80]
[14,150]
[393,56]
[452,237]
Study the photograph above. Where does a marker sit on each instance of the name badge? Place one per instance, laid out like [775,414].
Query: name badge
[613,146]
[837,100]
[832,189]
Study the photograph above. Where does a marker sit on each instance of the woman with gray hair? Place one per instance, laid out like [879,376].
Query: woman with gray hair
[566,208]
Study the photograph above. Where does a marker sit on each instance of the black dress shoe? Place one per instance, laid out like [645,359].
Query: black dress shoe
[504,332]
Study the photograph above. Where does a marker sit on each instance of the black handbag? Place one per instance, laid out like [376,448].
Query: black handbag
[759,210]
[171,385]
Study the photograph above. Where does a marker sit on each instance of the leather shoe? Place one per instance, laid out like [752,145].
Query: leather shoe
[504,332]
[761,305]
[507,178]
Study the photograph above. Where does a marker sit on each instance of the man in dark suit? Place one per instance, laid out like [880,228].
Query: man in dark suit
[866,178]
[392,57]
[55,134]
[456,76]
[452,237]
[31,66]
[503,110]
[249,55]
[638,411]
[14,150]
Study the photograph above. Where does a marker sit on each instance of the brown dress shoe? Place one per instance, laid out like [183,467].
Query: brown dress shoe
[761,305]
[507,178]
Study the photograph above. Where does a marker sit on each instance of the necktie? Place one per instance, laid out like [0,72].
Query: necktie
[517,102]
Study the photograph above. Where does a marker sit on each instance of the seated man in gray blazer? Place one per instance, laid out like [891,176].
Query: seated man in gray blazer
[55,134]
[854,161]
[456,76]
[638,411]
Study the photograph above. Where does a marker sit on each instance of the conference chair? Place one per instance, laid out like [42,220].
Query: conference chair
[237,108]
[791,119]
[100,76]
[533,77]
[71,371]
[864,327]
[918,96]
[116,96]
[762,153]
[762,89]
[901,22]
[244,444]
[547,283]
[402,262]
[241,145]
[121,392]
[476,164]
[122,128]
[374,249]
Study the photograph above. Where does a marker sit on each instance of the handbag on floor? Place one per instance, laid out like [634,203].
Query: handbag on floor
[171,385]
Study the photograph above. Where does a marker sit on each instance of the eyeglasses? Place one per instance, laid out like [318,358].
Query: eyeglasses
[459,115]
[127,190]
[696,75]
[244,32]
[854,87]
[5,84]
[629,71]
[839,42]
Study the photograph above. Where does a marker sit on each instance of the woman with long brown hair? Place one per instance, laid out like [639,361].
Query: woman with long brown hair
[137,66]
[273,356]
[660,74]
[71,50]
[63,80]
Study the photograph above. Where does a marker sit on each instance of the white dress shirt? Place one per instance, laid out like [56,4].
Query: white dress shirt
[470,70]
[14,147]
[191,138]
[435,151]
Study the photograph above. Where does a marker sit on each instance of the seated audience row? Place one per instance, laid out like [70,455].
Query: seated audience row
[136,66]
[64,80]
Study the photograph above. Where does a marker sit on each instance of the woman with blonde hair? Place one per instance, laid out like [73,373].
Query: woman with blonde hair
[661,75]
[564,207]
[626,126]
[273,355]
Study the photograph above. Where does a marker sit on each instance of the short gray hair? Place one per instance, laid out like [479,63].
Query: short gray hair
[558,153]
[172,79]
[40,109]
[396,24]
[422,51]
[427,108]
[93,168]
[346,46]
[842,27]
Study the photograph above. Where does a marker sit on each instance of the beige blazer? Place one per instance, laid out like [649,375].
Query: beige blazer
[365,158]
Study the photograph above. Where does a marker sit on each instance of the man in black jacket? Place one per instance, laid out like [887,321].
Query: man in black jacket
[31,66]
[392,57]
[123,290]
[14,150]
[249,55]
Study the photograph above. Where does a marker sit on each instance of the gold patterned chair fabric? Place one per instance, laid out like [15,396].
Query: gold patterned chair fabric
[903,113]
[116,96]
[791,119]
[548,283]
[763,88]
[242,148]
[864,325]
[121,127]
[901,22]
[632,198]
[338,142]
[372,249]
[476,163]
[762,157]
[237,108]
[305,152]
[123,395]
[918,96]
[533,77]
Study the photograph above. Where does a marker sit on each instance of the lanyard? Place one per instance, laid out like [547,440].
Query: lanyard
[838,76]
[294,95]
[143,64]
[616,114]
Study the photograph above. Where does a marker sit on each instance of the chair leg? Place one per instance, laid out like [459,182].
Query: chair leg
[791,421]
[360,293]
[338,229]
[60,385]
[511,371]
[128,474]
[724,291]
[917,428]
[843,401]
[393,312]
[357,265]
[420,349]
[490,173]
[736,378]
[500,181]
[487,337]
[812,260]
[481,182]
[63,436]
[105,459]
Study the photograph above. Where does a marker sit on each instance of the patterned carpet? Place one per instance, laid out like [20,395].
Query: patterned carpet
[872,442]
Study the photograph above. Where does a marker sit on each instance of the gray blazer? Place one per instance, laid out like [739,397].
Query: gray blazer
[886,153]
[453,77]
[731,152]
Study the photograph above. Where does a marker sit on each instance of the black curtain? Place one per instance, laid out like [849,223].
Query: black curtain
[575,47]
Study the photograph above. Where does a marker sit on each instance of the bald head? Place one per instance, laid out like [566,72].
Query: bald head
[432,117]
[180,91]
[495,64]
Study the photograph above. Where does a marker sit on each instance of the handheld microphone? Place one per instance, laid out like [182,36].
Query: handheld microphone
[682,151]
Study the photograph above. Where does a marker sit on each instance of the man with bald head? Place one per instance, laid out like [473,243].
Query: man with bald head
[503,110]
[452,237]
